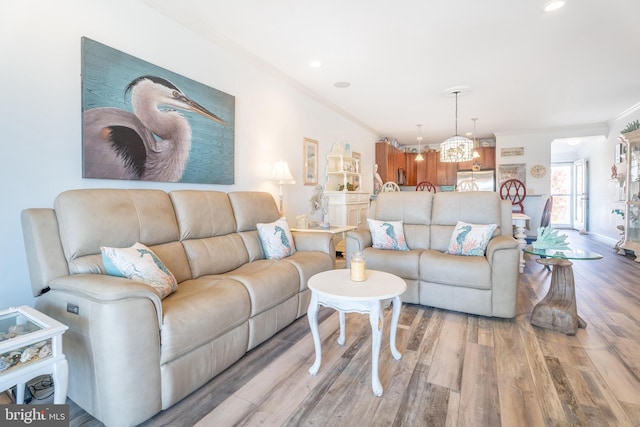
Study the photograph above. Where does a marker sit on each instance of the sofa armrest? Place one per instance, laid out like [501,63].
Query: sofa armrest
[500,243]
[503,254]
[308,241]
[107,289]
[357,241]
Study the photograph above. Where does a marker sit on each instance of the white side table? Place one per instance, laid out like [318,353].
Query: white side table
[336,290]
[338,232]
[31,345]
[520,221]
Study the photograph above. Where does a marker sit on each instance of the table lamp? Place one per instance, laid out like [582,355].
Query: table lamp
[280,173]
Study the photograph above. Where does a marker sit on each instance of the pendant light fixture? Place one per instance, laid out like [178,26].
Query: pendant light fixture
[457,148]
[419,157]
[476,155]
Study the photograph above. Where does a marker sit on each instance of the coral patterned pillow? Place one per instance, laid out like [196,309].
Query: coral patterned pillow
[277,241]
[387,235]
[139,263]
[470,239]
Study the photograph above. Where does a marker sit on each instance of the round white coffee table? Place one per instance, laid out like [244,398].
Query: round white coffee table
[336,290]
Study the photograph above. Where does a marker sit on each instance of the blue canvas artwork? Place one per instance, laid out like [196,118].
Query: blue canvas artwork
[142,122]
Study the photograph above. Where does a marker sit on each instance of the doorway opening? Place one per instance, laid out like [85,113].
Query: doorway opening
[570,195]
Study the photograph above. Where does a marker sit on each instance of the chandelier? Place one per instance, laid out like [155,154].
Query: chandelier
[457,148]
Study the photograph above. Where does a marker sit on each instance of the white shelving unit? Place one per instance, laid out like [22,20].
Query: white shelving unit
[342,172]
[347,204]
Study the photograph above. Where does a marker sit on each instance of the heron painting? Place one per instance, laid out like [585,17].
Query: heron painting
[141,122]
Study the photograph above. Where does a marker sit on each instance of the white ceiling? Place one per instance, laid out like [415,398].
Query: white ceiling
[527,70]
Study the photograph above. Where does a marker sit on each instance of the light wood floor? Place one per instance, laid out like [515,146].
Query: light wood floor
[456,369]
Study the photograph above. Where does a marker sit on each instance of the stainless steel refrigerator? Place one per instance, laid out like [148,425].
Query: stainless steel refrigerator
[484,180]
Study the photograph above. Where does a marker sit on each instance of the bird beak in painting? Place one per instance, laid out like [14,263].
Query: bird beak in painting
[197,108]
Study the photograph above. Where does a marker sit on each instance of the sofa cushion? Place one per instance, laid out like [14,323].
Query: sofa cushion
[277,241]
[90,218]
[404,264]
[252,207]
[475,207]
[470,239]
[455,270]
[387,235]
[309,263]
[201,310]
[138,262]
[201,214]
[215,255]
[269,282]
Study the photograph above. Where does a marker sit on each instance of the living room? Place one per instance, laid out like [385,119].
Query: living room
[42,74]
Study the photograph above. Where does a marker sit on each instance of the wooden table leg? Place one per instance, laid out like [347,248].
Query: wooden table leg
[557,310]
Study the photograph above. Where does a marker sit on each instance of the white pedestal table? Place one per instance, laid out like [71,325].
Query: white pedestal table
[336,290]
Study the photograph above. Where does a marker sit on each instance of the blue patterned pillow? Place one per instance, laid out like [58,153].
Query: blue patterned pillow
[277,241]
[470,239]
[387,235]
[139,263]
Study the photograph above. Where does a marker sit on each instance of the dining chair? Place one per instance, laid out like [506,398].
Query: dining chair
[389,187]
[514,190]
[468,185]
[426,186]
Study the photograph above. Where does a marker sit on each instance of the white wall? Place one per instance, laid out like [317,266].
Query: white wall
[537,150]
[41,111]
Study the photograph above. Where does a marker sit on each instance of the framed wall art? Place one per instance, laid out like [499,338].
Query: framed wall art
[143,122]
[310,161]
[512,171]
[512,151]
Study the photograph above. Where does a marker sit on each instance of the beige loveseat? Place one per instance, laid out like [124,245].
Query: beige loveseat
[132,354]
[484,285]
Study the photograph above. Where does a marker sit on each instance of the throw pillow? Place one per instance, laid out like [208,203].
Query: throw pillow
[277,241]
[470,239]
[138,262]
[387,235]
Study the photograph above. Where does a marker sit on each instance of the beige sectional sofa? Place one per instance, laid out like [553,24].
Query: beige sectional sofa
[484,285]
[131,353]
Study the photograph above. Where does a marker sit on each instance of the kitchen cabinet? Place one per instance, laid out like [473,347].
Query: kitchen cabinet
[487,159]
[389,159]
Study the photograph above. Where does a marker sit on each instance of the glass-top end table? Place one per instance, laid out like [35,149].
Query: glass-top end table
[574,254]
[31,345]
[558,310]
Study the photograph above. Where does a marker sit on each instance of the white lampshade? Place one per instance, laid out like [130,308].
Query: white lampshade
[280,173]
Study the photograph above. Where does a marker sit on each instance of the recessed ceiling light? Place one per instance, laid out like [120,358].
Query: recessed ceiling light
[315,64]
[342,85]
[553,5]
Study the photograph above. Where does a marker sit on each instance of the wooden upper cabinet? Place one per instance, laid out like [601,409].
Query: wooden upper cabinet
[389,159]
[427,169]
[411,166]
[487,159]
[447,173]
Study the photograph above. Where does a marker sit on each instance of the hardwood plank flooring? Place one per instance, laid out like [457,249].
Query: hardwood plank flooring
[456,369]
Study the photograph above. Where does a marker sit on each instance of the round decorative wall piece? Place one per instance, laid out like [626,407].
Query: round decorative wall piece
[538,171]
